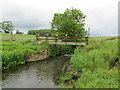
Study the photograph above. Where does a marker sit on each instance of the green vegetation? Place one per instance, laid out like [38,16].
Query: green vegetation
[18,32]
[93,66]
[57,50]
[71,22]
[40,31]
[7,26]
[15,52]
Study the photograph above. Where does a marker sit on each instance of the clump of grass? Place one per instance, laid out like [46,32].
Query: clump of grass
[11,59]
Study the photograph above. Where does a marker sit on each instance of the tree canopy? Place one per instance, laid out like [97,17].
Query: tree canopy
[7,26]
[69,22]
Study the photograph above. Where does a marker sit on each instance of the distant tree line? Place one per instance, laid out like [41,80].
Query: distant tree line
[18,32]
[40,31]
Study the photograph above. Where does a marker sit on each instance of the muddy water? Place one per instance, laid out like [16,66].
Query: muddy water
[38,74]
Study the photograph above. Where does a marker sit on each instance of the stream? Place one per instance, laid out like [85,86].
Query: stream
[39,74]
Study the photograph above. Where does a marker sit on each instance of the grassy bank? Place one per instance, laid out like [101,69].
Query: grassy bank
[93,66]
[15,52]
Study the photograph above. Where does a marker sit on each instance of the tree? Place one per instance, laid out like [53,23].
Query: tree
[18,32]
[70,22]
[7,26]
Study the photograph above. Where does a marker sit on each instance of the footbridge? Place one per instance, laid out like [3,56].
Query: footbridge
[67,39]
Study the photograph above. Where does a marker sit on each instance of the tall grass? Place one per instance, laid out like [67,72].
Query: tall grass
[93,64]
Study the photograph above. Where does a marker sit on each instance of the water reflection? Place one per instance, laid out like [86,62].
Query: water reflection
[35,74]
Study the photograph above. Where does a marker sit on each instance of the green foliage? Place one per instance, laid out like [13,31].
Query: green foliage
[55,50]
[94,62]
[7,26]
[18,32]
[66,49]
[40,31]
[70,22]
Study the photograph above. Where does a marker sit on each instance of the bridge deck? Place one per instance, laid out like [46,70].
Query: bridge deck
[65,43]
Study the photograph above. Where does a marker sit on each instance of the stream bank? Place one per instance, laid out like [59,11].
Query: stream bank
[20,53]
[51,51]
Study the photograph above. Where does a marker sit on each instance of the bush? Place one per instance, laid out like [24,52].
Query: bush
[55,50]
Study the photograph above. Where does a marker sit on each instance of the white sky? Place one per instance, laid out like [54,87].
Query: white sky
[102,15]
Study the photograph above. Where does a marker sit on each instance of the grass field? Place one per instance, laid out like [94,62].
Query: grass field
[20,37]
[9,37]
[14,52]
[93,66]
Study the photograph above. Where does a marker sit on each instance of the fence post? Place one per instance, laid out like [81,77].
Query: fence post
[65,39]
[47,37]
[14,37]
[76,39]
[55,38]
[87,40]
[11,37]
[37,39]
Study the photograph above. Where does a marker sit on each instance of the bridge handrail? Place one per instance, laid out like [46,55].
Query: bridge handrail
[62,39]
[66,38]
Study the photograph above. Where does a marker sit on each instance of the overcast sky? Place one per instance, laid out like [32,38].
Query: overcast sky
[102,15]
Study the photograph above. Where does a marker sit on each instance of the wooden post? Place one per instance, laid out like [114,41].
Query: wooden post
[65,39]
[14,37]
[56,38]
[37,39]
[11,37]
[88,32]
[87,40]
[76,39]
[47,37]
